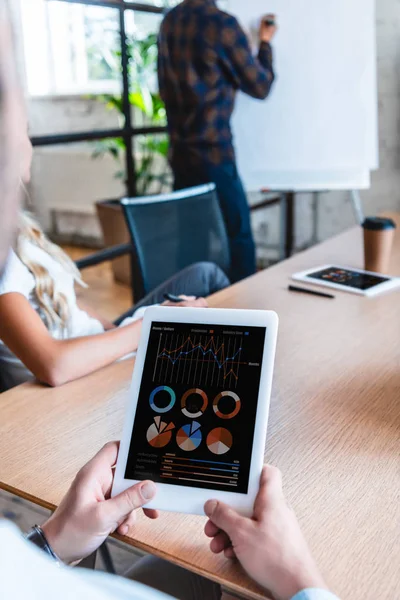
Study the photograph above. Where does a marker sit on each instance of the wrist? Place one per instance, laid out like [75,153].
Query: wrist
[53,535]
[38,537]
[302,580]
[265,39]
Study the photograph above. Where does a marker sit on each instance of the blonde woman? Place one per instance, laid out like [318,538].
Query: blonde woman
[43,330]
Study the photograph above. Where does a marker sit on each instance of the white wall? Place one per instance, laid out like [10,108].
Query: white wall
[68,176]
[336,212]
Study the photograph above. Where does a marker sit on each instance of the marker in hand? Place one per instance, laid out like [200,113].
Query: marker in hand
[173,298]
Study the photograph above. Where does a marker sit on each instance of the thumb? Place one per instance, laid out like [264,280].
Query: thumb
[223,516]
[131,499]
[270,492]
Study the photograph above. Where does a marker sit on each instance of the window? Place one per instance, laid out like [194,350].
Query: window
[70,49]
[91,73]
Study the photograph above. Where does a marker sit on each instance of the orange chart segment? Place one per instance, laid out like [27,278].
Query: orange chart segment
[234,398]
[159,434]
[219,440]
[188,403]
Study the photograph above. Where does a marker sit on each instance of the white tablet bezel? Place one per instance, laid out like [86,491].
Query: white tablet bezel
[187,499]
[393,283]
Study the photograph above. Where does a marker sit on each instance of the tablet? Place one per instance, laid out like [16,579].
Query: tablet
[347,279]
[197,412]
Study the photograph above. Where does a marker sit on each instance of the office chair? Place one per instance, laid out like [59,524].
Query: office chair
[172,231]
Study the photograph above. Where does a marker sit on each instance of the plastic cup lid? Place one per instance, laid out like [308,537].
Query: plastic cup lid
[378,224]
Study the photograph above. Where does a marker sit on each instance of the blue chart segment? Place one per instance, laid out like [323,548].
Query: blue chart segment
[199,359]
[158,391]
[189,437]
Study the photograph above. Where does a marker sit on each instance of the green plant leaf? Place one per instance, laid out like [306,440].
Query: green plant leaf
[142,71]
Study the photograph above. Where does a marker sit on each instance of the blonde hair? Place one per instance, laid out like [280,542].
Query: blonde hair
[53,304]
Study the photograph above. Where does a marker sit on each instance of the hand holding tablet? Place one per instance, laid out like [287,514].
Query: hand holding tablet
[198,407]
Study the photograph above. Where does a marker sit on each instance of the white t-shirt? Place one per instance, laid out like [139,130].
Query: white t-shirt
[18,278]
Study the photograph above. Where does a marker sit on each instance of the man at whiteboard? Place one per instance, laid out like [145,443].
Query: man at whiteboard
[204,58]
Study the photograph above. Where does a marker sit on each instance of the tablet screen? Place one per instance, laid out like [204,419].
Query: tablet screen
[347,278]
[197,406]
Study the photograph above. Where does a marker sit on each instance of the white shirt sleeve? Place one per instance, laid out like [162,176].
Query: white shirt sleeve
[315,594]
[27,572]
[16,277]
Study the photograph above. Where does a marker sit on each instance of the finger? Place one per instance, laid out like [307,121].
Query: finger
[100,467]
[210,529]
[135,497]
[223,516]
[151,513]
[229,552]
[107,455]
[202,302]
[127,525]
[130,521]
[270,491]
[220,543]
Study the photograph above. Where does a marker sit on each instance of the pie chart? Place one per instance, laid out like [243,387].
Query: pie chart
[219,441]
[194,402]
[159,434]
[230,404]
[189,437]
[162,399]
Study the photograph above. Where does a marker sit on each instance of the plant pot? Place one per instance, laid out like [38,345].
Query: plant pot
[115,232]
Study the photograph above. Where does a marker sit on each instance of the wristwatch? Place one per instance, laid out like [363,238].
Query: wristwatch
[37,537]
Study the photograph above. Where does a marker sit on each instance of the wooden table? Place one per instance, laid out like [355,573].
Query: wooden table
[334,431]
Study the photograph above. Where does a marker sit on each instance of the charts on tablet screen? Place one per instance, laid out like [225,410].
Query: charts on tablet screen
[205,359]
[195,418]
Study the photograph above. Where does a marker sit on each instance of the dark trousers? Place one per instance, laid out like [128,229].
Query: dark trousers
[234,207]
[200,280]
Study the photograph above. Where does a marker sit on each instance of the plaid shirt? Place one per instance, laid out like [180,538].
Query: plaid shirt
[204,58]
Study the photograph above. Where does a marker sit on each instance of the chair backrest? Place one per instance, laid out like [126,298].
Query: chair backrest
[172,231]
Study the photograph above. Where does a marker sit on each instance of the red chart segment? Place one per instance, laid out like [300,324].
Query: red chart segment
[234,400]
[160,433]
[219,440]
[194,403]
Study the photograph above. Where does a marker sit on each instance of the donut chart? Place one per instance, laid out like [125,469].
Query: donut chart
[160,433]
[236,409]
[219,441]
[158,391]
[189,437]
[190,403]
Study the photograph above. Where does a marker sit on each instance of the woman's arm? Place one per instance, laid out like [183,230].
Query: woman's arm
[58,361]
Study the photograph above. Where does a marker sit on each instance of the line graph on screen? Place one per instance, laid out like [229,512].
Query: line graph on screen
[199,359]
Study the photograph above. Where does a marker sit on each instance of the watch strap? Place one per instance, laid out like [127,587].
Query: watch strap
[37,537]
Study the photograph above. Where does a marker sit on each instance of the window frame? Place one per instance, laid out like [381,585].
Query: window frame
[128,132]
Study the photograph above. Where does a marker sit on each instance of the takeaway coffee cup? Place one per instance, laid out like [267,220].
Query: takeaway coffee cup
[378,241]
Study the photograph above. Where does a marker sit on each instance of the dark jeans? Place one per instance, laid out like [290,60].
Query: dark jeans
[234,206]
[173,580]
[200,280]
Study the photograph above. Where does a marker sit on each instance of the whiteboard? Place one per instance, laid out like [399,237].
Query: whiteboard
[318,129]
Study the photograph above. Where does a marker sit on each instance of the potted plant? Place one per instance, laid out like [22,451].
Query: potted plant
[151,151]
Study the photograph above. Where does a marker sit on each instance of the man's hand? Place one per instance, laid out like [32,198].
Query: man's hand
[87,515]
[188,301]
[267,31]
[270,546]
